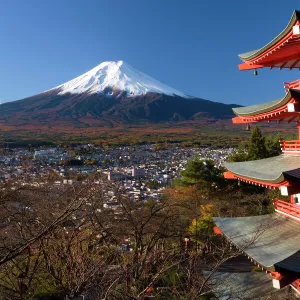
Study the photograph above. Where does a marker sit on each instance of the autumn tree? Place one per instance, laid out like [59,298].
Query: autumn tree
[31,214]
[63,241]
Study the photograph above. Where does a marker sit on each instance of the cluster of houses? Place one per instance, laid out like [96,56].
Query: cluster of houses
[140,171]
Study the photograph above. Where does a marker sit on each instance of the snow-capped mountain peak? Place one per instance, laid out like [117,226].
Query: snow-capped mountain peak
[117,76]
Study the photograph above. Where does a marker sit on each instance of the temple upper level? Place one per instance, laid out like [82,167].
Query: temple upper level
[282,52]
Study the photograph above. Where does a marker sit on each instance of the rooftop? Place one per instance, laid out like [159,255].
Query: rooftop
[253,53]
[271,240]
[281,52]
[235,279]
[286,108]
[271,170]
[267,106]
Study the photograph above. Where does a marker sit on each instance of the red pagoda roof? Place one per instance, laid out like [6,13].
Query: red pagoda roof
[284,109]
[282,52]
[281,172]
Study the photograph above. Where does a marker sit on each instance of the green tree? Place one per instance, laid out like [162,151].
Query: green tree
[257,146]
[240,155]
[153,184]
[200,171]
[273,144]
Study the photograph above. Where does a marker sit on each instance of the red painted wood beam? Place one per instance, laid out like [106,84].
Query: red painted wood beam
[229,175]
[293,118]
[243,120]
[217,230]
[294,64]
[283,65]
[244,67]
[282,57]
[279,121]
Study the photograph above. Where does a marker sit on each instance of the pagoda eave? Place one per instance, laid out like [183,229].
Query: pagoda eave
[258,237]
[286,187]
[282,172]
[282,52]
[285,109]
[270,185]
[277,117]
[286,61]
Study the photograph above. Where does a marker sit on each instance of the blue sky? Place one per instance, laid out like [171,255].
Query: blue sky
[191,45]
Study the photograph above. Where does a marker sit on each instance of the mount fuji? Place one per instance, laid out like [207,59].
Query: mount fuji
[111,93]
[117,76]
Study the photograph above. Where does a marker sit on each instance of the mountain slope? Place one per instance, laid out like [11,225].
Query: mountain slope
[111,92]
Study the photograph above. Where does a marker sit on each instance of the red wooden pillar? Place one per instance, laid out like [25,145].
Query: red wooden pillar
[292,199]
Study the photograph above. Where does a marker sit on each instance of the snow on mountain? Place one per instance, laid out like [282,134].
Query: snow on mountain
[117,76]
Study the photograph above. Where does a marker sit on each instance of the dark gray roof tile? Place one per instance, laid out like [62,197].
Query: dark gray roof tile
[271,240]
[272,169]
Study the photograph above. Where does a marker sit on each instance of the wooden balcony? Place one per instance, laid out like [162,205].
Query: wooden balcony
[289,209]
[291,146]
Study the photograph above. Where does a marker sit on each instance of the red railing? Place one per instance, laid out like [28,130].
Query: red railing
[290,146]
[287,207]
[292,85]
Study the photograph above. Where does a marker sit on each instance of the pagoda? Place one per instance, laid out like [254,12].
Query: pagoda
[272,241]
